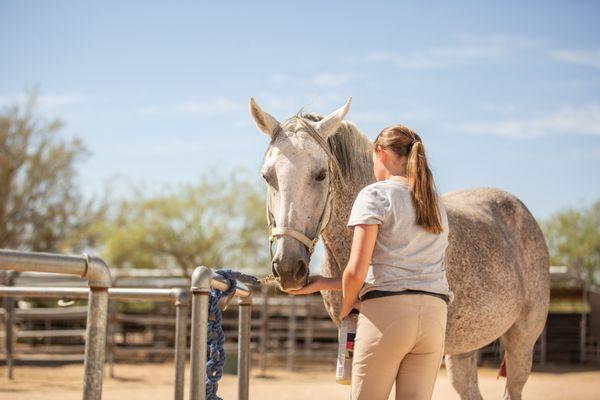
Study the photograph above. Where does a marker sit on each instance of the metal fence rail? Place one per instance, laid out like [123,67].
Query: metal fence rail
[202,281]
[96,272]
[178,296]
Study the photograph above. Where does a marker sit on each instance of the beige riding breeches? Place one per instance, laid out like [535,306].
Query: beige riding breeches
[399,339]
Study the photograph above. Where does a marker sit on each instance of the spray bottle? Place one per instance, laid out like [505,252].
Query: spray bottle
[346,335]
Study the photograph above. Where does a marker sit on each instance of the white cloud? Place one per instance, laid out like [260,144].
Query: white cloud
[498,109]
[59,100]
[467,50]
[324,79]
[279,79]
[584,120]
[244,123]
[589,58]
[585,152]
[172,147]
[333,80]
[283,104]
[194,108]
[47,101]
[371,117]
[324,103]
[275,103]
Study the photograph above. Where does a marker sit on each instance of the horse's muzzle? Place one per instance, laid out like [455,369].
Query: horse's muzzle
[291,269]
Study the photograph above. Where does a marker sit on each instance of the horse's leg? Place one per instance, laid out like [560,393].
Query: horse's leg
[462,371]
[519,341]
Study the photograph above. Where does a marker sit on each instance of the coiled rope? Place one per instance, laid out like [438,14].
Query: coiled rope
[215,352]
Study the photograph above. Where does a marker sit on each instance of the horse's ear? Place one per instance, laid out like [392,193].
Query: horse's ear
[264,121]
[328,125]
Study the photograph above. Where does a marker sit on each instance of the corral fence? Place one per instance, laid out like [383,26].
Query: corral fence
[99,281]
[284,330]
[178,296]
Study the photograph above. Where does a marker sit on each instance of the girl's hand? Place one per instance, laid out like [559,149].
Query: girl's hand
[346,309]
[315,284]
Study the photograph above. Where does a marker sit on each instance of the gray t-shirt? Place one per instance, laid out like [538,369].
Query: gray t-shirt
[405,255]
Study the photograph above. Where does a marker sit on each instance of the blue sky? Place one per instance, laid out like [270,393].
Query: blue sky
[504,94]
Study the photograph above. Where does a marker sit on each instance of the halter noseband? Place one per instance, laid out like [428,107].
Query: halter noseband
[275,231]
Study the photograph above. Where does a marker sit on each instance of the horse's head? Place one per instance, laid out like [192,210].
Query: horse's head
[297,168]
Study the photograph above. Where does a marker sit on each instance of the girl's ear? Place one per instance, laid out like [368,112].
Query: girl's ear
[380,153]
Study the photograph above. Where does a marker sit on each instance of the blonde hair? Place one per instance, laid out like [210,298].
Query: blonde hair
[404,142]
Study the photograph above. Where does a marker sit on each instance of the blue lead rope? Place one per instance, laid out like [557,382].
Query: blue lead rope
[215,352]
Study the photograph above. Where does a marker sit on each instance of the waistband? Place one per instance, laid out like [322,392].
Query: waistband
[373,294]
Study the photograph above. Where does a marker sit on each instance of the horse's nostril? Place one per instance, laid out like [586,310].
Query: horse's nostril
[274,270]
[301,271]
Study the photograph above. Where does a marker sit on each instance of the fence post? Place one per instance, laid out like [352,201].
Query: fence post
[201,279]
[264,331]
[310,328]
[9,323]
[112,321]
[98,276]
[181,310]
[544,345]
[244,357]
[582,337]
[96,272]
[291,351]
[95,343]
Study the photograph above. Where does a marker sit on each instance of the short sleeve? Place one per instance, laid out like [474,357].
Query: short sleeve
[370,207]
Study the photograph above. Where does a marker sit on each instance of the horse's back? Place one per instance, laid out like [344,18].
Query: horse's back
[497,261]
[495,211]
[486,203]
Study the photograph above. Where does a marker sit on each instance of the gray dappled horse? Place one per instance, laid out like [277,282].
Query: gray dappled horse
[496,261]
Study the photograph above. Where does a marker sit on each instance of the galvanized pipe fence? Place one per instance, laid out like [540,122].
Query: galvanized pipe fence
[202,281]
[99,281]
[96,272]
[179,297]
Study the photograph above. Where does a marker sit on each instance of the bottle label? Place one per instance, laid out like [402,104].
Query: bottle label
[350,345]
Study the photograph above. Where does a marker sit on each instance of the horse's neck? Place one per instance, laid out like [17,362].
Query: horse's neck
[337,236]
[352,151]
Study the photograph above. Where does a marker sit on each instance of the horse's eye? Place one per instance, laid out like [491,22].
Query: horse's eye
[269,179]
[321,175]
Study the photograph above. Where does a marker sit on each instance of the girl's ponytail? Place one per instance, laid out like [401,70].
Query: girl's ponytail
[406,143]
[422,189]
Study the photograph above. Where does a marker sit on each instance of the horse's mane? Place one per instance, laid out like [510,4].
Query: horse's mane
[350,147]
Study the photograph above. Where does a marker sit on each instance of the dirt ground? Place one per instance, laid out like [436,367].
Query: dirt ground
[154,381]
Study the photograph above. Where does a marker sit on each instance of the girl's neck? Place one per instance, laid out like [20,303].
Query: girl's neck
[401,177]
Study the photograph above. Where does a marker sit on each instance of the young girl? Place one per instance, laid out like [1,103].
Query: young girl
[396,270]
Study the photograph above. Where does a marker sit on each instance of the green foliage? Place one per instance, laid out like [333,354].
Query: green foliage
[41,207]
[219,223]
[573,238]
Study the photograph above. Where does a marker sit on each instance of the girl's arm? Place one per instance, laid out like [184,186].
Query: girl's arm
[317,283]
[363,242]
